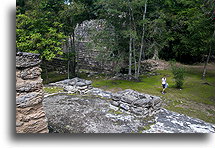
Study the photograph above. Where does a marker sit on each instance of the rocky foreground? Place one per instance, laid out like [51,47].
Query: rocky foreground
[93,110]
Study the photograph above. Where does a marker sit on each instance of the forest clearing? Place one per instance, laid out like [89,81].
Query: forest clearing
[129,65]
[195,99]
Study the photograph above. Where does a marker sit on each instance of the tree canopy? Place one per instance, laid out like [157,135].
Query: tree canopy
[167,29]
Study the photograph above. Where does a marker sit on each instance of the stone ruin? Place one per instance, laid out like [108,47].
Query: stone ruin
[137,103]
[127,111]
[93,114]
[128,100]
[30,116]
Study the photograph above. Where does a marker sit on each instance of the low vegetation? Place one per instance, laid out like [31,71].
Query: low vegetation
[195,99]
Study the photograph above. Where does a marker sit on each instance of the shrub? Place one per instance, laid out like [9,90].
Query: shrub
[178,74]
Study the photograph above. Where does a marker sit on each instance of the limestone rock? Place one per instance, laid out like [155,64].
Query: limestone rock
[128,99]
[78,114]
[24,60]
[115,103]
[30,116]
[142,102]
[124,106]
[30,73]
[116,97]
[29,86]
[29,99]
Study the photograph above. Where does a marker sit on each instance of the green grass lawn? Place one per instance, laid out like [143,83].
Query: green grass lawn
[196,98]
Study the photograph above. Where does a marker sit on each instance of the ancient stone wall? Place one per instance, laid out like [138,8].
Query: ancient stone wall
[89,56]
[30,116]
[128,100]
[56,64]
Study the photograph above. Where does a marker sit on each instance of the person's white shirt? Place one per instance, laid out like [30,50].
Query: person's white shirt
[163,80]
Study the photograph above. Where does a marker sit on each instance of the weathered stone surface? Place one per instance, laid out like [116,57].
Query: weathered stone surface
[137,110]
[156,101]
[142,102]
[80,84]
[116,97]
[75,85]
[29,86]
[87,82]
[171,122]
[128,99]
[30,73]
[88,56]
[30,116]
[124,99]
[78,114]
[82,87]
[24,60]
[29,99]
[124,106]
[100,92]
[33,126]
[115,103]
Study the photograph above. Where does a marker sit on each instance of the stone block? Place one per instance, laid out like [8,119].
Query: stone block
[116,97]
[80,84]
[137,110]
[115,103]
[141,102]
[29,99]
[28,85]
[87,82]
[33,126]
[128,99]
[30,73]
[24,60]
[124,106]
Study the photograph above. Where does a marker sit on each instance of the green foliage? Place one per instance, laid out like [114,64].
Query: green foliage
[178,74]
[176,29]
[190,29]
[38,32]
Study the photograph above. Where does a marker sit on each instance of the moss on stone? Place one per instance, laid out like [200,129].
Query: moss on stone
[116,112]
[51,90]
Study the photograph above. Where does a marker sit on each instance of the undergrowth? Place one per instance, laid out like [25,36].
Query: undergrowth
[195,91]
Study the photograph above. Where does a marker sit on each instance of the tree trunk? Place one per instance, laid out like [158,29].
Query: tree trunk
[135,62]
[68,58]
[130,45]
[74,54]
[68,64]
[71,56]
[130,56]
[155,56]
[142,41]
[208,57]
[133,27]
[205,66]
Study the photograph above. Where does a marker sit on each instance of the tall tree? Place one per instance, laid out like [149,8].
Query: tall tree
[69,17]
[142,38]
[211,15]
[37,32]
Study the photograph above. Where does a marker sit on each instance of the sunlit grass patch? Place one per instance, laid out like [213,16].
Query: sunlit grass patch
[195,90]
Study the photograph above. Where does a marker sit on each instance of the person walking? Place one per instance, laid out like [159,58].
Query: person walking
[164,84]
